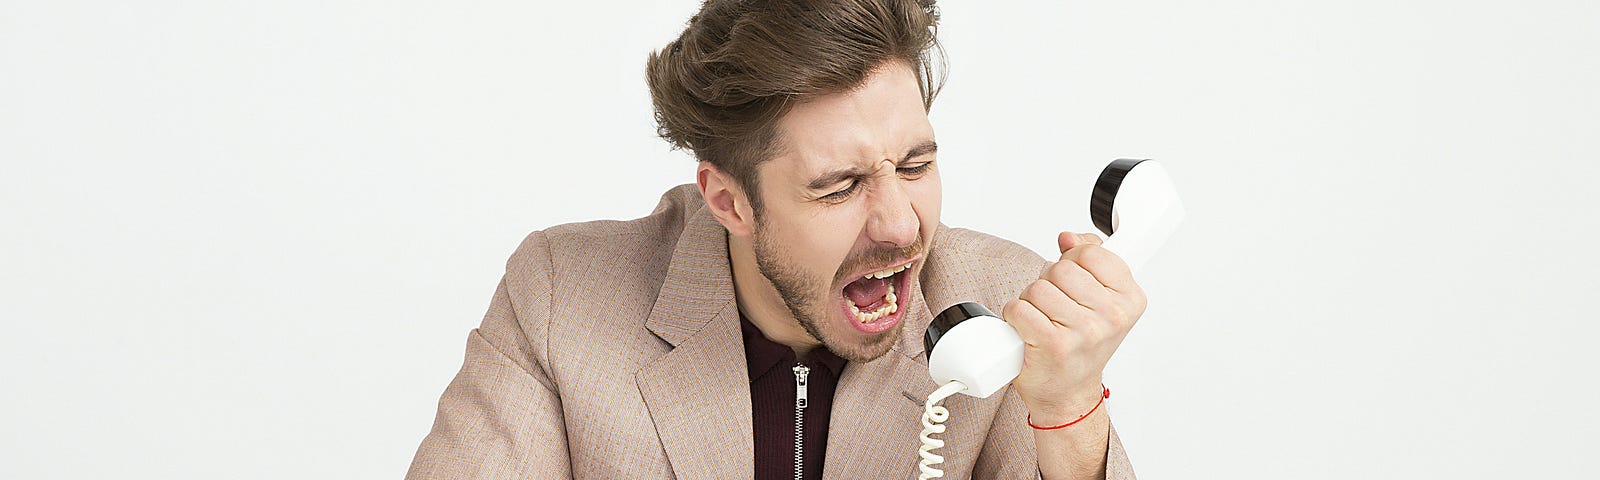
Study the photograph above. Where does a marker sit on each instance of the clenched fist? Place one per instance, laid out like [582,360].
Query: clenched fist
[1071,320]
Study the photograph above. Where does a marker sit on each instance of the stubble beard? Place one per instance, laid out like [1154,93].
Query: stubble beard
[810,300]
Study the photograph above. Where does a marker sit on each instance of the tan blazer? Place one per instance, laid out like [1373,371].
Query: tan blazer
[612,350]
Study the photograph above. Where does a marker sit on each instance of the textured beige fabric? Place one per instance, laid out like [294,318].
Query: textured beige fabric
[612,350]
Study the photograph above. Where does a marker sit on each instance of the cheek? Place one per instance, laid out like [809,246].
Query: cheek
[834,243]
[822,245]
[927,196]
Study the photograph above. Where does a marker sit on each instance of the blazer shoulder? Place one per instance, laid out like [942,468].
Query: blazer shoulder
[967,265]
[573,270]
[970,247]
[604,243]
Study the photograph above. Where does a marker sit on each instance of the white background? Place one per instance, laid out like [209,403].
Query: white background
[248,239]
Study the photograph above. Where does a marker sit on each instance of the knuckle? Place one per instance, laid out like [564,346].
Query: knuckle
[1119,328]
[1074,254]
[1140,300]
[1104,260]
[1114,311]
[1039,290]
[1062,270]
[1012,308]
[1097,256]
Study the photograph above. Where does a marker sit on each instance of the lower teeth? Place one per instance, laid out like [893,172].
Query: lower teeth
[891,306]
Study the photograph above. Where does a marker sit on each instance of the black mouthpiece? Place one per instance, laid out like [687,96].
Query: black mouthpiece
[948,319]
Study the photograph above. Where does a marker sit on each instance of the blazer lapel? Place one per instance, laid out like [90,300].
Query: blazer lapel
[698,394]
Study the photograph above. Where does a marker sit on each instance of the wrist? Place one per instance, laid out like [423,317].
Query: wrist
[1070,410]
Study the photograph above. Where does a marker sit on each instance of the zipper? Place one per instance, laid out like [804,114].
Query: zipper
[800,374]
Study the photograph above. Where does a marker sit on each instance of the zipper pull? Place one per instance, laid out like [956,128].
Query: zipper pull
[800,374]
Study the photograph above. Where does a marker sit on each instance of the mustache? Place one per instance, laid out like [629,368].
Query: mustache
[879,257]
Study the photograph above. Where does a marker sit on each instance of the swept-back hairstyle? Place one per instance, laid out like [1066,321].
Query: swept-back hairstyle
[740,65]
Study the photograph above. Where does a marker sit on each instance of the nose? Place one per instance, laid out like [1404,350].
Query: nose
[893,221]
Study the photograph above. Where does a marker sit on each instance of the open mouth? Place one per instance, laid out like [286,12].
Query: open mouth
[875,302]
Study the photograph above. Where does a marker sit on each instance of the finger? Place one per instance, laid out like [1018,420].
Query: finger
[1106,267]
[1031,324]
[1068,240]
[1060,308]
[1082,287]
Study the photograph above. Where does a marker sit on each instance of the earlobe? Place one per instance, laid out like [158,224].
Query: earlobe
[725,199]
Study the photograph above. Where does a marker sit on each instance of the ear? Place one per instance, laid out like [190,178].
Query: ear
[725,199]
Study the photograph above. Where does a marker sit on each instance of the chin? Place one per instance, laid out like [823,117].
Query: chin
[859,348]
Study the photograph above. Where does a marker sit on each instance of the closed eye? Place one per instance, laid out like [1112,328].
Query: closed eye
[843,194]
[915,170]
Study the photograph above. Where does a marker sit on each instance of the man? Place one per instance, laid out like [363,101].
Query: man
[767,320]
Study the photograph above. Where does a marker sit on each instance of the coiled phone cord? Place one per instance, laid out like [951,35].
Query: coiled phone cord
[932,415]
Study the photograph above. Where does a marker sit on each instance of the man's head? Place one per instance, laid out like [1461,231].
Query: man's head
[809,119]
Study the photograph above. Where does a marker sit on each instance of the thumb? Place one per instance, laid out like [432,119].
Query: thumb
[1069,240]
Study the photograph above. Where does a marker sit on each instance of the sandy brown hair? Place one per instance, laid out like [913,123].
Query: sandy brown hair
[739,65]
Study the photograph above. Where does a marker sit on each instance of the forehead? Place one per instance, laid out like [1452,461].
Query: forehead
[879,120]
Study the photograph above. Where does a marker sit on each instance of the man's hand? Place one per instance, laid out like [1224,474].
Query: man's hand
[1071,320]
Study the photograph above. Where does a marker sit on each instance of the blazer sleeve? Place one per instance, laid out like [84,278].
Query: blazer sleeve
[501,415]
[1008,452]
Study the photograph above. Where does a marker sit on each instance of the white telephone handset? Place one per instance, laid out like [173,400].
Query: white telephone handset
[972,351]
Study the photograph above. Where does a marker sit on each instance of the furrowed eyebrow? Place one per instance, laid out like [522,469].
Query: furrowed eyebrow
[921,149]
[834,177]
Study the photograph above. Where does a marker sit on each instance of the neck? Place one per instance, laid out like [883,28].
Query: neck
[760,302]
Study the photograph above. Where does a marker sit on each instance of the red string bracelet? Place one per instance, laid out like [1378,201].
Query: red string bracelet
[1104,394]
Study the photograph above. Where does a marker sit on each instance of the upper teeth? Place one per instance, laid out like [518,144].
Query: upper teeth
[885,273]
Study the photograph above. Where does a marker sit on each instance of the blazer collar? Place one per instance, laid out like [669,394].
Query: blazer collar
[698,284]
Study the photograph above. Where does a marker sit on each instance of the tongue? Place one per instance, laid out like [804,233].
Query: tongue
[867,292]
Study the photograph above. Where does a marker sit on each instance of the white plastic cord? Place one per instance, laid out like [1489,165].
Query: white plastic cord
[932,416]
